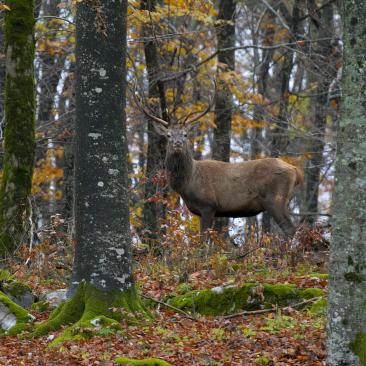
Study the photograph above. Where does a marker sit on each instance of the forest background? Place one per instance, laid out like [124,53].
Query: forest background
[277,67]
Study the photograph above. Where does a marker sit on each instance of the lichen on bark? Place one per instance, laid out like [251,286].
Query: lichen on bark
[347,281]
[19,132]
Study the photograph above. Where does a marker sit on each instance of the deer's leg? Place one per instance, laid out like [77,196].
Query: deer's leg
[207,217]
[280,214]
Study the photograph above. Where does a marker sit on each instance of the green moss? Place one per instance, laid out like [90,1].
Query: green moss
[144,362]
[309,293]
[249,296]
[214,302]
[91,311]
[23,319]
[318,307]
[16,288]
[183,288]
[5,275]
[278,294]
[41,306]
[322,276]
[358,346]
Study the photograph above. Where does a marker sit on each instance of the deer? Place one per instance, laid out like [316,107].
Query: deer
[211,188]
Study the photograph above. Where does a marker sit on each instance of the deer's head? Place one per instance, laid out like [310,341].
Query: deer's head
[177,132]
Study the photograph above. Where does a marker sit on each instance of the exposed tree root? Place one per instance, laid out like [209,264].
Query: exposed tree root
[93,312]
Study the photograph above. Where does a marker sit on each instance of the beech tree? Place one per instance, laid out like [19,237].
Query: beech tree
[102,277]
[19,108]
[347,292]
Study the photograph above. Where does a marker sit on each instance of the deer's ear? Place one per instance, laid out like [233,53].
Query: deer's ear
[160,129]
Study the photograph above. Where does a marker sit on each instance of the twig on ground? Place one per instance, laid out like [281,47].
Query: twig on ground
[171,307]
[272,310]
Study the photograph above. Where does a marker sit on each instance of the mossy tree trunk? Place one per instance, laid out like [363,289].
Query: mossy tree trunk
[224,99]
[19,124]
[2,78]
[347,294]
[102,276]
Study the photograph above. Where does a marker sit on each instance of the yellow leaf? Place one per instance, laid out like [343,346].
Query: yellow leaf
[4,7]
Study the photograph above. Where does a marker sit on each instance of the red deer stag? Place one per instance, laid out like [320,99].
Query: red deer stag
[213,188]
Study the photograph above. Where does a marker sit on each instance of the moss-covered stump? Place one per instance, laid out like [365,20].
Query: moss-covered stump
[250,296]
[17,291]
[144,362]
[13,318]
[93,312]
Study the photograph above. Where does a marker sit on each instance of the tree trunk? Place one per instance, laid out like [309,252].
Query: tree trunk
[102,277]
[19,131]
[279,135]
[2,84]
[224,99]
[324,73]
[262,80]
[346,343]
[51,67]
[66,107]
[156,144]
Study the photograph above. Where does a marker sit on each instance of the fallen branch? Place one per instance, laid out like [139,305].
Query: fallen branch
[171,307]
[272,310]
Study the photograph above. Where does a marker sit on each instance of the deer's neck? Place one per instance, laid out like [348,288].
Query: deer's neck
[179,167]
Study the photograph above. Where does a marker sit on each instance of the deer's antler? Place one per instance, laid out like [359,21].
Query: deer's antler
[188,121]
[143,109]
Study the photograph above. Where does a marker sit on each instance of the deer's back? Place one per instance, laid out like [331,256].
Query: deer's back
[238,189]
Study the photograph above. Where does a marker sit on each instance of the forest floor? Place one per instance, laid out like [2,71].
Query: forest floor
[283,337]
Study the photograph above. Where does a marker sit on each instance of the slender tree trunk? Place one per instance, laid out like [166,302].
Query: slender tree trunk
[262,81]
[51,67]
[67,140]
[279,140]
[156,149]
[324,73]
[346,343]
[19,131]
[224,99]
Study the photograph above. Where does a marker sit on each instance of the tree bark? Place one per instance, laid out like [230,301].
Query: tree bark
[2,80]
[102,227]
[51,67]
[156,144]
[19,131]
[102,276]
[324,74]
[279,135]
[346,344]
[224,99]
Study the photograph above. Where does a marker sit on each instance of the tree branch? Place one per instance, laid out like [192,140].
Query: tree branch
[264,311]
